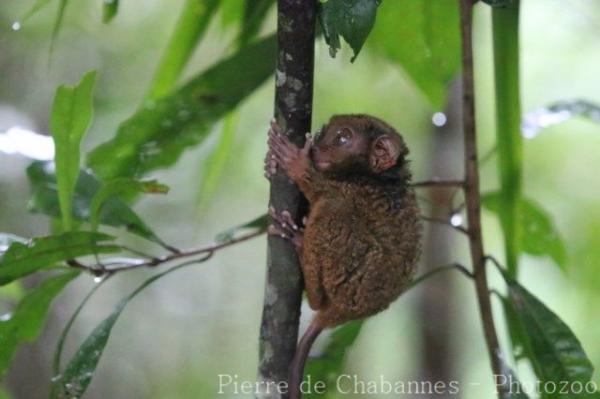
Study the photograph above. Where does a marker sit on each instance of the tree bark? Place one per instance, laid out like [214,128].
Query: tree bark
[293,111]
[438,296]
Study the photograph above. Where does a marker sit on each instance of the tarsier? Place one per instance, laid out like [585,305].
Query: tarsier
[361,240]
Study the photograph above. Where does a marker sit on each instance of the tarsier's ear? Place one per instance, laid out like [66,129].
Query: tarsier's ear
[385,151]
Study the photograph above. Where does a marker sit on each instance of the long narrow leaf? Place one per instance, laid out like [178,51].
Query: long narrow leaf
[254,16]
[80,370]
[158,134]
[212,168]
[189,30]
[43,252]
[505,26]
[29,317]
[71,117]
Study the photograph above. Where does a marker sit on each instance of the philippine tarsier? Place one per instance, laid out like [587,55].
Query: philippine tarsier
[361,239]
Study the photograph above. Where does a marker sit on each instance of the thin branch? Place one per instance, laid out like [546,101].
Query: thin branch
[439,183]
[131,263]
[472,195]
[455,266]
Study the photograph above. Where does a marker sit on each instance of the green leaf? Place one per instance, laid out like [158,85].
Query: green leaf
[260,223]
[212,168]
[109,10]
[555,349]
[328,366]
[62,6]
[121,187]
[423,38]
[43,252]
[70,119]
[505,28]
[114,212]
[158,134]
[350,19]
[189,30]
[6,239]
[80,370]
[255,12]
[540,236]
[29,317]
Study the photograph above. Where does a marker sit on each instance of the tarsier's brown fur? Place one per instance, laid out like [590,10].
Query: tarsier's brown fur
[361,241]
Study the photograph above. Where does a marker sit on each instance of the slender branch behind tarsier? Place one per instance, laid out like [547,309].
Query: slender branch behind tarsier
[472,195]
[293,112]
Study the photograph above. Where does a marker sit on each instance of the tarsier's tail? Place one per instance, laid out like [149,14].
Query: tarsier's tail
[297,367]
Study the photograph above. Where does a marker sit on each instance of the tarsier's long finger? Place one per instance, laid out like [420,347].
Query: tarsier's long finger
[282,152]
[273,230]
[275,126]
[307,144]
[286,218]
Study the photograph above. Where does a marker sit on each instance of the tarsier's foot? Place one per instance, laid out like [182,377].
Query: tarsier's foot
[283,153]
[285,227]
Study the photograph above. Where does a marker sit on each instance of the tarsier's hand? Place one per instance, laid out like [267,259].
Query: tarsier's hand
[294,161]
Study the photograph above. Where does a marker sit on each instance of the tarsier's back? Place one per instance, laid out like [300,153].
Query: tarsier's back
[361,239]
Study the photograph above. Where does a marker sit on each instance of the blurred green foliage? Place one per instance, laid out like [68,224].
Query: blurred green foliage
[206,75]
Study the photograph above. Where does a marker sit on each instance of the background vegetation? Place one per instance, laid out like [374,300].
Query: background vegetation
[174,339]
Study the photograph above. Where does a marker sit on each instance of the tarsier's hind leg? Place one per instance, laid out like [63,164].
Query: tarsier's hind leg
[315,293]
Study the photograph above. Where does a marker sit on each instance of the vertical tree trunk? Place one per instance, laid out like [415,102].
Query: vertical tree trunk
[293,111]
[438,296]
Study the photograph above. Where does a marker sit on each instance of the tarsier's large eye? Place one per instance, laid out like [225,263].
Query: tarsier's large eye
[343,136]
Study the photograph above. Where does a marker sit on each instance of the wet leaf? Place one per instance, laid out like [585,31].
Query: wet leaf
[109,10]
[70,119]
[350,19]
[556,352]
[121,187]
[540,236]
[6,239]
[158,134]
[423,38]
[260,223]
[80,370]
[212,168]
[189,30]
[114,211]
[536,120]
[329,365]
[43,252]
[29,317]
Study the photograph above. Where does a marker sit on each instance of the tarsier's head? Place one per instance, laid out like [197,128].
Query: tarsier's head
[359,144]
